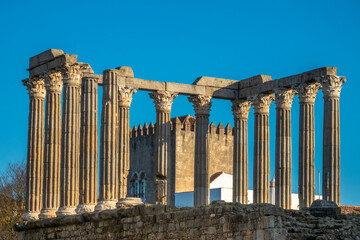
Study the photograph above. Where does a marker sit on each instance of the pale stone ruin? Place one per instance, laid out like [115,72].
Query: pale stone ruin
[62,169]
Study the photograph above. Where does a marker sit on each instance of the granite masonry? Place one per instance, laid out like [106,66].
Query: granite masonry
[63,164]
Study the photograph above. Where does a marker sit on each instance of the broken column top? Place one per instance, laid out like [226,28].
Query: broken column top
[44,57]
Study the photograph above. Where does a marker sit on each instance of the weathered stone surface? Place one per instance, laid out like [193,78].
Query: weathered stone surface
[217,221]
[324,208]
[44,57]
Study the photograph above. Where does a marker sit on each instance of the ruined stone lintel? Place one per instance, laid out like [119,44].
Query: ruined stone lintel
[52,153]
[283,99]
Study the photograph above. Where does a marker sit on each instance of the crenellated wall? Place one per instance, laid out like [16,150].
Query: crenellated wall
[142,144]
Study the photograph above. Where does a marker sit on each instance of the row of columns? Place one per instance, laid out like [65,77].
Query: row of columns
[62,164]
[307,92]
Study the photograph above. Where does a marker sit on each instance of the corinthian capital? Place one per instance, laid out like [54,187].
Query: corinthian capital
[71,74]
[36,87]
[331,86]
[284,98]
[125,96]
[201,103]
[53,82]
[163,100]
[240,108]
[262,102]
[307,92]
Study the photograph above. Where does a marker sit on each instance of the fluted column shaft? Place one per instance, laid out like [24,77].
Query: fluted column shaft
[240,110]
[284,98]
[35,149]
[109,142]
[307,95]
[202,106]
[261,168]
[88,176]
[125,98]
[163,101]
[52,153]
[70,153]
[331,138]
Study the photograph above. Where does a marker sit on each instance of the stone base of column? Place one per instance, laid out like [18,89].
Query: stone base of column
[161,191]
[64,211]
[129,202]
[30,216]
[47,213]
[105,205]
[85,208]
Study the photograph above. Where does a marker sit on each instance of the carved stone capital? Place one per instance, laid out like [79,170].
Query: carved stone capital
[53,82]
[284,98]
[71,75]
[307,92]
[201,103]
[331,86]
[262,102]
[163,100]
[36,87]
[125,96]
[240,108]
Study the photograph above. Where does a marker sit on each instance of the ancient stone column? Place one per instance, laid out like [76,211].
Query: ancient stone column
[88,176]
[52,153]
[283,99]
[331,138]
[240,109]
[163,101]
[261,168]
[202,107]
[69,173]
[35,149]
[125,98]
[307,95]
[109,142]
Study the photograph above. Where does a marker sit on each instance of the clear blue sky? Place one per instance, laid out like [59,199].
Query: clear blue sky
[181,40]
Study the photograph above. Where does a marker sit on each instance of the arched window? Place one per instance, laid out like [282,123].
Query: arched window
[138,185]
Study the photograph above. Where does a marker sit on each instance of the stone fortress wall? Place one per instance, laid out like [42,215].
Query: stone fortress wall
[142,144]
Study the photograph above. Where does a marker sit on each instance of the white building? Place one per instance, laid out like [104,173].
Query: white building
[221,185]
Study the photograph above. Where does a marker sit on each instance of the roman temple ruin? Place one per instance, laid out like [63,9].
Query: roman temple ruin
[62,157]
